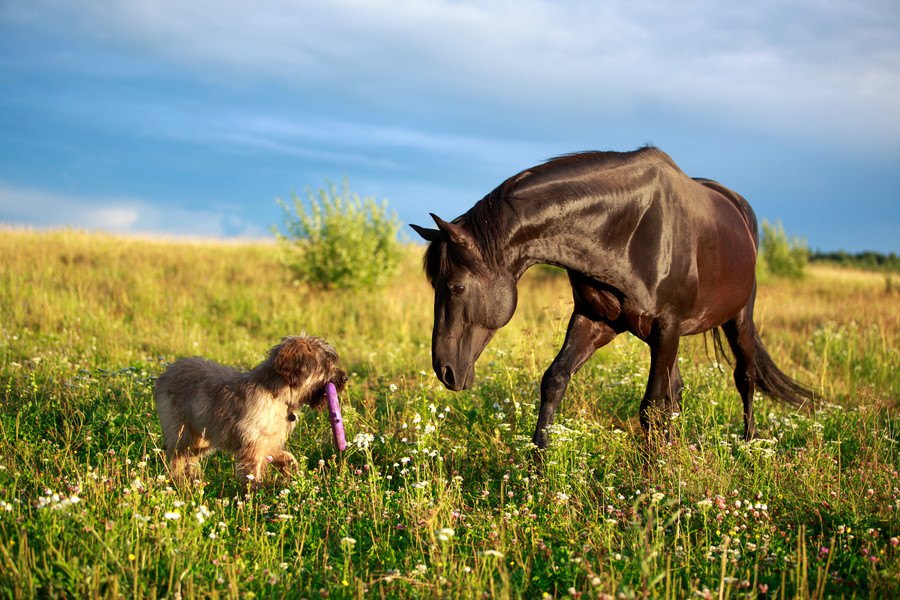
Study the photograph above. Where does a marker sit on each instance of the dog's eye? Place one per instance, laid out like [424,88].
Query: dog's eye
[456,290]
[292,417]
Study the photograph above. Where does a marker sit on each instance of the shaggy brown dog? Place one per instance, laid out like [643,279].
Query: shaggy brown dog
[204,406]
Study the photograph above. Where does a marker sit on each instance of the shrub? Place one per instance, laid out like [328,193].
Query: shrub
[783,257]
[340,240]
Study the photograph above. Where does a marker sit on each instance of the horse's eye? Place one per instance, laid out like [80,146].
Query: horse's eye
[457,289]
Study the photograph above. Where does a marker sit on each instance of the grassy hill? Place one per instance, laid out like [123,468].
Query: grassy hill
[440,498]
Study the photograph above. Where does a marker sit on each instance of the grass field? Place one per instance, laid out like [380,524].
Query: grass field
[436,496]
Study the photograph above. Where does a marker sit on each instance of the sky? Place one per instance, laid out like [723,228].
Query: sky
[190,118]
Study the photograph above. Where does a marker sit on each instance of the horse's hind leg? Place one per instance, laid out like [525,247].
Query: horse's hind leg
[739,332]
[583,338]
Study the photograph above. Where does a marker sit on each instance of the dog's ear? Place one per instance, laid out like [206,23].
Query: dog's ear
[295,358]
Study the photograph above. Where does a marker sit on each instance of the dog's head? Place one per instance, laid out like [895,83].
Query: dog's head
[306,364]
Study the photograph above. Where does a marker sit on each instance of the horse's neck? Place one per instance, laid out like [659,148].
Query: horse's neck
[560,234]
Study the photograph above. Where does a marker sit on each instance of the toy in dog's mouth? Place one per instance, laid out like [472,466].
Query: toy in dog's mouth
[334,415]
[319,399]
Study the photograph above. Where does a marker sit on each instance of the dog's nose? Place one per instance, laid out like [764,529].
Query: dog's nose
[340,381]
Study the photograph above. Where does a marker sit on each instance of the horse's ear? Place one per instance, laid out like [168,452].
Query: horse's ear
[427,234]
[457,234]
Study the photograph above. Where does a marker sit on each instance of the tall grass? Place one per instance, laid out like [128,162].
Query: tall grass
[436,496]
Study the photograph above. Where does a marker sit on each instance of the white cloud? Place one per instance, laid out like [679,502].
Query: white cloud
[41,208]
[829,68]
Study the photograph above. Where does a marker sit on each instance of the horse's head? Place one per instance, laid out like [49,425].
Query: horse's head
[472,300]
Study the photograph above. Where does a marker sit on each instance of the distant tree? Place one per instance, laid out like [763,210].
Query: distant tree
[872,261]
[783,257]
[337,239]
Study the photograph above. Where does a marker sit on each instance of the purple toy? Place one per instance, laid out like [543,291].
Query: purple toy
[334,413]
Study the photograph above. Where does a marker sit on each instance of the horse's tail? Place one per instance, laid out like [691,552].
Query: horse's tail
[774,383]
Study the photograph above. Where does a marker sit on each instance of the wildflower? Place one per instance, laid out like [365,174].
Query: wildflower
[445,534]
[421,568]
[172,515]
[393,387]
[562,497]
[495,553]
[362,440]
[347,543]
[202,513]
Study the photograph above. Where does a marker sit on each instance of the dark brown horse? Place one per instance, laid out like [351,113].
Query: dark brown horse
[648,250]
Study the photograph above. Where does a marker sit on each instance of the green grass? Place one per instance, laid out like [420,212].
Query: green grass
[436,496]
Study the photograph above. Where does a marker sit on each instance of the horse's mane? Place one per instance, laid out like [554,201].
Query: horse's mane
[560,173]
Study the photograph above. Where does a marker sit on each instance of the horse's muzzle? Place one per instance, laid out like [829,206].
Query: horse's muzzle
[453,380]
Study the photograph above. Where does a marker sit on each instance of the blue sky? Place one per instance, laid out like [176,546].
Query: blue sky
[189,118]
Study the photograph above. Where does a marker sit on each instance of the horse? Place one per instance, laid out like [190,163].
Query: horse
[648,250]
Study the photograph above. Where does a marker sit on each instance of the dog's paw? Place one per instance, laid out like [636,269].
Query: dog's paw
[285,463]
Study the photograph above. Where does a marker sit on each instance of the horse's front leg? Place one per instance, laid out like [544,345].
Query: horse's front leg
[663,395]
[583,338]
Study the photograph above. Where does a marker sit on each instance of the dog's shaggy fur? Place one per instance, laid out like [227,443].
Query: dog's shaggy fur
[204,406]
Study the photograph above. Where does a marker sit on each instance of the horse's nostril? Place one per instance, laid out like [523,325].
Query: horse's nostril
[447,376]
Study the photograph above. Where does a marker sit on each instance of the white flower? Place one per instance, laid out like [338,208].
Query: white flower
[362,440]
[202,513]
[172,515]
[347,543]
[495,553]
[445,534]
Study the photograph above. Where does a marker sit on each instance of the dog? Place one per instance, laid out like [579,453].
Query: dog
[204,406]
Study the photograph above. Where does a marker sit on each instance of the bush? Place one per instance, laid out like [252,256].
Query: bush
[783,257]
[339,240]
